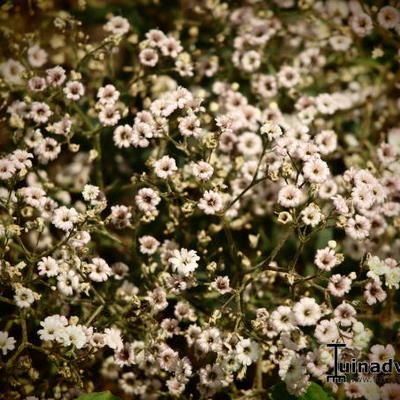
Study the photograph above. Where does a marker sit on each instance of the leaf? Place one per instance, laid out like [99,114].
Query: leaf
[279,392]
[314,392]
[323,238]
[98,396]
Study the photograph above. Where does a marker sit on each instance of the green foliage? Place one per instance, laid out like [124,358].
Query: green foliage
[323,238]
[98,396]
[314,392]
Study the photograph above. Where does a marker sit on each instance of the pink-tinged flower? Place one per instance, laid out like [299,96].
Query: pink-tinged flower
[374,293]
[249,144]
[109,115]
[7,169]
[283,319]
[211,202]
[165,167]
[123,136]
[37,84]
[74,90]
[290,196]
[221,284]
[388,17]
[325,259]
[390,391]
[148,57]
[361,24]
[202,170]
[326,331]
[37,56]
[381,354]
[155,37]
[190,126]
[339,285]
[358,228]
[316,170]
[108,95]
[147,199]
[345,314]
[40,112]
[352,390]
[148,244]
[288,77]
[157,299]
[117,25]
[170,47]
[55,76]
[307,312]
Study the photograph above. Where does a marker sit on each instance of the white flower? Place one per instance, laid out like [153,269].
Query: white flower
[24,297]
[148,57]
[184,261]
[37,57]
[48,266]
[283,319]
[370,390]
[247,351]
[211,202]
[68,282]
[290,196]
[362,339]
[7,169]
[376,268]
[52,326]
[311,215]
[221,284]
[40,112]
[108,95]
[117,25]
[272,130]
[394,139]
[165,167]
[326,331]
[90,192]
[147,199]
[210,340]
[392,277]
[109,115]
[64,218]
[316,170]
[74,90]
[12,71]
[202,170]
[99,270]
[113,338]
[148,244]
[123,136]
[55,76]
[7,343]
[73,335]
[307,311]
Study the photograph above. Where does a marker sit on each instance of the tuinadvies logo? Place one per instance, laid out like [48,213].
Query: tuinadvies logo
[343,368]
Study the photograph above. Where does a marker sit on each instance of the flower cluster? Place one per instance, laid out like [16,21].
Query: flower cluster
[195,202]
